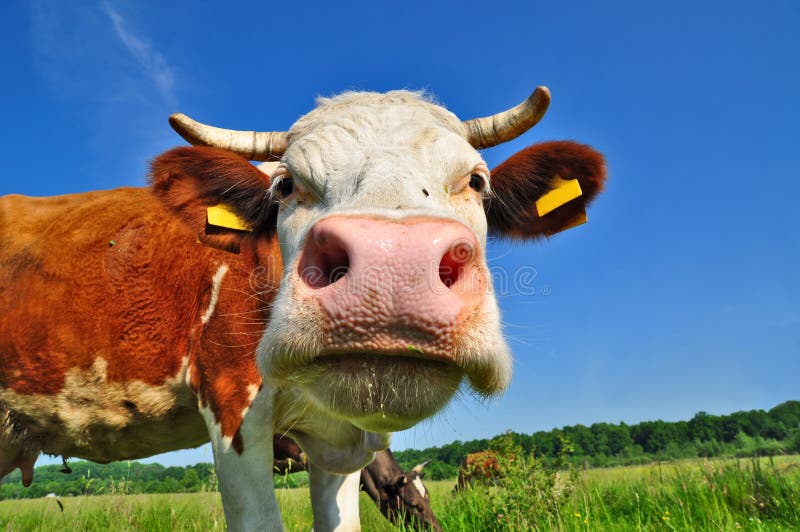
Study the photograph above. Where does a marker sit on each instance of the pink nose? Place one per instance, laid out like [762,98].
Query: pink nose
[392,285]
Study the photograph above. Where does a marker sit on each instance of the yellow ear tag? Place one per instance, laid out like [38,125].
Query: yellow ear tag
[579,219]
[222,216]
[562,192]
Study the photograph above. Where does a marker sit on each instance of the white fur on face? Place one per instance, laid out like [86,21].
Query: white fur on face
[388,156]
[365,153]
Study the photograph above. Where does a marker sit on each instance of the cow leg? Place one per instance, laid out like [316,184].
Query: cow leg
[246,485]
[13,457]
[244,469]
[336,451]
[334,499]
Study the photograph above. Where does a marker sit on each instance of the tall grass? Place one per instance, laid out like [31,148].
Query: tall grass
[182,511]
[754,494]
[157,512]
[744,494]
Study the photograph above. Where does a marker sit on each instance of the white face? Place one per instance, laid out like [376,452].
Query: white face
[391,175]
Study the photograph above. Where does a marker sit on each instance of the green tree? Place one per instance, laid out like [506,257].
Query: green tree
[191,480]
[787,413]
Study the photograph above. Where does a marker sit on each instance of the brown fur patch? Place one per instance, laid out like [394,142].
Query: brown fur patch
[74,297]
[113,276]
[225,366]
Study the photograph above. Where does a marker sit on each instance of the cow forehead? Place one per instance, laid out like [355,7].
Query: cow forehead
[362,112]
[371,149]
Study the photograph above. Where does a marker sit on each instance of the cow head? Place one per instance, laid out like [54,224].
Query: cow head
[401,497]
[382,205]
[417,501]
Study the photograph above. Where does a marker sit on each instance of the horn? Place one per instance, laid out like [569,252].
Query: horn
[252,145]
[502,127]
[419,467]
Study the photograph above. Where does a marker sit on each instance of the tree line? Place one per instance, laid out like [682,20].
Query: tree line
[118,478]
[754,432]
[746,433]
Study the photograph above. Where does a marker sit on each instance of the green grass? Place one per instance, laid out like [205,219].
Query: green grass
[761,494]
[743,494]
[180,511]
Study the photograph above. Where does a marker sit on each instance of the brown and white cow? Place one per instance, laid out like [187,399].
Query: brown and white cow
[482,467]
[401,497]
[288,456]
[350,299]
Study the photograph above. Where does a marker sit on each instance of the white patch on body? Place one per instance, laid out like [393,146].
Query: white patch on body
[216,282]
[215,430]
[334,499]
[246,485]
[102,420]
[252,391]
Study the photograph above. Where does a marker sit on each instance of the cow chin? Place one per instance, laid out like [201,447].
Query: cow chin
[379,393]
[389,385]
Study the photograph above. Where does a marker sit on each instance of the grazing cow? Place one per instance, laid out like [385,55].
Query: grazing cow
[478,467]
[288,457]
[398,495]
[342,298]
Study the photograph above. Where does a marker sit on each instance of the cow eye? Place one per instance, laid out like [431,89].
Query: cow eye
[285,187]
[477,182]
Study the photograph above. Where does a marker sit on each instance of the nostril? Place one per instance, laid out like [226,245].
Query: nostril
[452,264]
[325,261]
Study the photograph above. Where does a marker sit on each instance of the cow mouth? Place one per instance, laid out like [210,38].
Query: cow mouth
[380,392]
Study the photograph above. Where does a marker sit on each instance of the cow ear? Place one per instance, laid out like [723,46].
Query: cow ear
[543,189]
[218,194]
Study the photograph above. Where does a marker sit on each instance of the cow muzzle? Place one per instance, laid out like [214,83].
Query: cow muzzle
[393,298]
[392,287]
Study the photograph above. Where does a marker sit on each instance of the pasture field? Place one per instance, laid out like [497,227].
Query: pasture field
[720,494]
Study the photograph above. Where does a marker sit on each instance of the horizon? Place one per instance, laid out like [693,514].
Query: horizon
[154,459]
[679,295]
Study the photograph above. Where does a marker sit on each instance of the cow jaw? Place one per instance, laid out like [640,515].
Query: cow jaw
[382,389]
[379,392]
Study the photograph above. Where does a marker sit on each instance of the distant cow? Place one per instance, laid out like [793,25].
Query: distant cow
[482,467]
[398,495]
[288,456]
[339,299]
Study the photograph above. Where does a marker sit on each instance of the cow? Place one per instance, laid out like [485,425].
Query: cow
[339,299]
[401,497]
[287,456]
[481,466]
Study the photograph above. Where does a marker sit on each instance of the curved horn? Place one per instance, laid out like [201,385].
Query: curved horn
[419,467]
[253,145]
[502,127]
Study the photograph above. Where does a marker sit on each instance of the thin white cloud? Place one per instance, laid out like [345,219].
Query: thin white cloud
[149,59]
[111,81]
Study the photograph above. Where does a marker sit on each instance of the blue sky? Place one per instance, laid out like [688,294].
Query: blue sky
[680,294]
